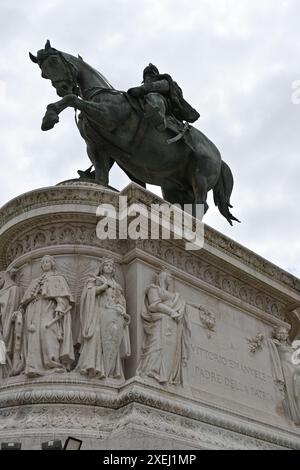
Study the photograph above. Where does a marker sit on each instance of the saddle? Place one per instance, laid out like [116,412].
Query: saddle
[181,130]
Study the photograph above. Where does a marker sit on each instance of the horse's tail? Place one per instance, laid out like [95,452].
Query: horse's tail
[222,192]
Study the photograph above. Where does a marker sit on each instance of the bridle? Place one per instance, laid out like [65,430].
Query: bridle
[71,74]
[71,77]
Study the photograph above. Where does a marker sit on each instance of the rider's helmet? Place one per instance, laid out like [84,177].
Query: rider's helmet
[150,69]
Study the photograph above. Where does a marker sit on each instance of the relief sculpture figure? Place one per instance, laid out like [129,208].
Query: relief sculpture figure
[46,306]
[166,332]
[286,373]
[11,359]
[104,322]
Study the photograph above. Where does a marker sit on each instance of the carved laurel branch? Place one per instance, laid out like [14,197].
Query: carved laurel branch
[207,319]
[256,343]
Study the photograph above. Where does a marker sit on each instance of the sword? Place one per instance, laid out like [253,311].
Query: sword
[59,316]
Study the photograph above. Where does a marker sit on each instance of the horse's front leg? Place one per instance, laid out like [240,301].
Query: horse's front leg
[95,111]
[54,109]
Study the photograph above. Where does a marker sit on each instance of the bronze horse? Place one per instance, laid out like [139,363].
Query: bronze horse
[114,128]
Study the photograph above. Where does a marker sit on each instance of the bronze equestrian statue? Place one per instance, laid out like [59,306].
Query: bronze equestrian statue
[145,136]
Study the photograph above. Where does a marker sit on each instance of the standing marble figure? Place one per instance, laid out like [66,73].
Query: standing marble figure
[286,374]
[167,333]
[11,359]
[104,321]
[48,344]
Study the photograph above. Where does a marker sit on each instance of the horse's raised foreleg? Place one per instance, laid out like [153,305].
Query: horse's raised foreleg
[53,110]
[95,111]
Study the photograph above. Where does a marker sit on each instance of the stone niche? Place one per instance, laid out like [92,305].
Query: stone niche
[215,387]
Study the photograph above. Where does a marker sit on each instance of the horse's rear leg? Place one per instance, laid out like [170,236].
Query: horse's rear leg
[200,193]
[102,163]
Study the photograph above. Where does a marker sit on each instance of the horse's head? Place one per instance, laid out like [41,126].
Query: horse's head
[56,67]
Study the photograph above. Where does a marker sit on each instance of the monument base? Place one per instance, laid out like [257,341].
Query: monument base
[228,396]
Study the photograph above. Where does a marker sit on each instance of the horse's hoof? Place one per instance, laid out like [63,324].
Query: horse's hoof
[50,119]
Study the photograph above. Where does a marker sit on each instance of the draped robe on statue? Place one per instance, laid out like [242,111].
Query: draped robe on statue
[48,345]
[286,373]
[166,340]
[105,333]
[10,298]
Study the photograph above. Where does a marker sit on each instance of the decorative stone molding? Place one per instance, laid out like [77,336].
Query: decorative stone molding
[212,237]
[250,258]
[100,423]
[58,234]
[68,193]
[43,405]
[85,234]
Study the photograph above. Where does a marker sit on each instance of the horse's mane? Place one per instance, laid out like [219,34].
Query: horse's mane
[74,62]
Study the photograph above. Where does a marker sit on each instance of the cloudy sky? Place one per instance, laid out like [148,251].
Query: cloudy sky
[236,61]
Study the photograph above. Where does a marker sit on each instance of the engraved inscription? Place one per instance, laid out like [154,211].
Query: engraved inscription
[231,384]
[231,363]
[231,378]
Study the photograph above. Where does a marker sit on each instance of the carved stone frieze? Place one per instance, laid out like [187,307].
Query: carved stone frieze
[60,417]
[201,434]
[214,276]
[59,233]
[85,235]
[101,422]
[251,259]
[223,243]
[79,193]
[105,409]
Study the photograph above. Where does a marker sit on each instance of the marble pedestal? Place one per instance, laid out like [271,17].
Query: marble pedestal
[228,398]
